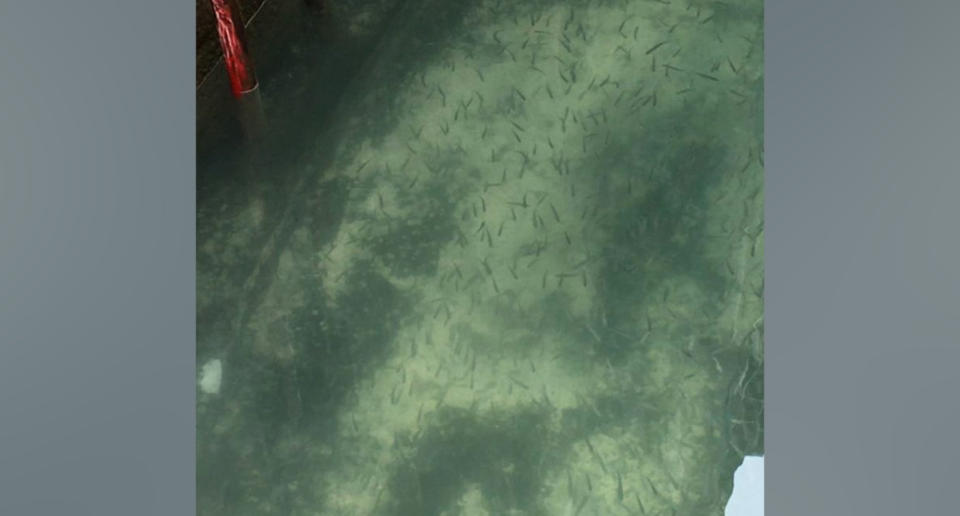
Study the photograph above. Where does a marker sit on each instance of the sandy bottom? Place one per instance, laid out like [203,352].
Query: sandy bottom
[568,202]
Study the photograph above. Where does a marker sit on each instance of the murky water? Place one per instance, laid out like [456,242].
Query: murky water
[508,260]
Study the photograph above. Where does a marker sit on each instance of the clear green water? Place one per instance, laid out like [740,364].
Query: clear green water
[516,267]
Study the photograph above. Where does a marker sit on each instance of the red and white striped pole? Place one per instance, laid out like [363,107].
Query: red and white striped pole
[236,58]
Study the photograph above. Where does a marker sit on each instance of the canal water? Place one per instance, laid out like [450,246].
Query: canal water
[487,258]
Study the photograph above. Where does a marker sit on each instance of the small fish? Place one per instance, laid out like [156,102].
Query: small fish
[658,45]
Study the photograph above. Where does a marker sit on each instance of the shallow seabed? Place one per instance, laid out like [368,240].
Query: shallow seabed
[520,271]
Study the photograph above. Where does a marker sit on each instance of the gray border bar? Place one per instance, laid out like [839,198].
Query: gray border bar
[863,293]
[97,247]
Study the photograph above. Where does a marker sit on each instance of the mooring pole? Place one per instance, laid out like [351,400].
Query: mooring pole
[236,58]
